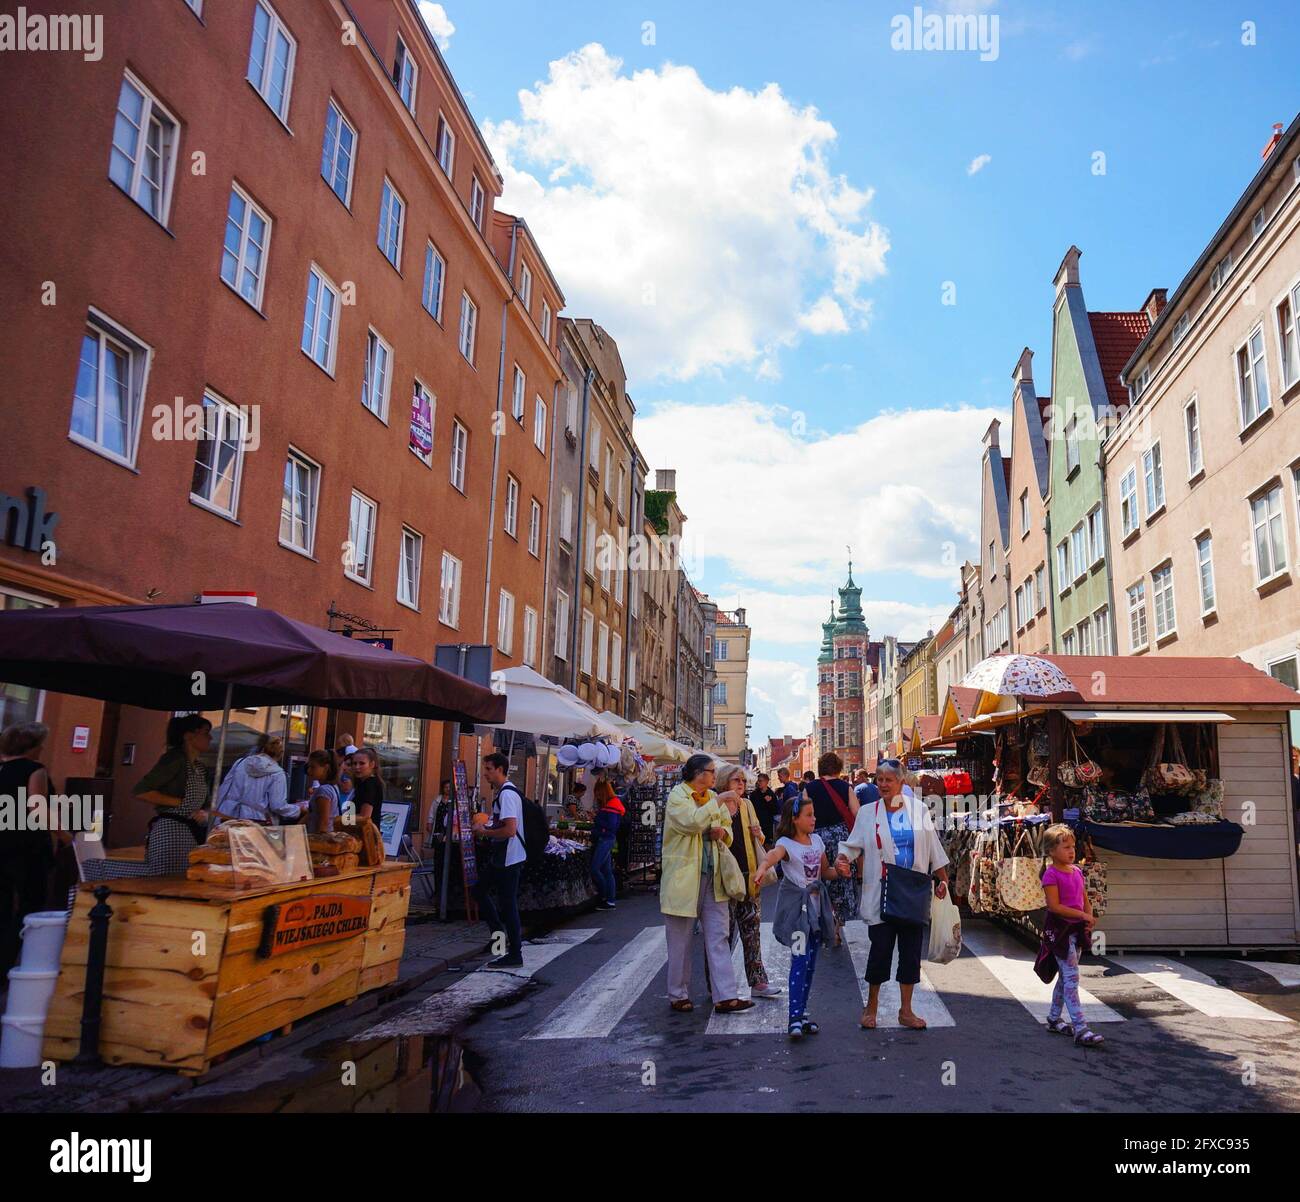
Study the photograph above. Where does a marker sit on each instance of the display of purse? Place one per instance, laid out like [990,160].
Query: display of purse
[1079,771]
[1094,877]
[1170,775]
[1113,805]
[1020,885]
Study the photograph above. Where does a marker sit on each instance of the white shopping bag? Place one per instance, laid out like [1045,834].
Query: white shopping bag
[945,930]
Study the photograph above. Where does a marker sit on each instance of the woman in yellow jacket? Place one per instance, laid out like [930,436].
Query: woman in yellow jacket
[696,827]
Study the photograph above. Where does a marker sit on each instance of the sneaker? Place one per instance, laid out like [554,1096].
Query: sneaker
[604,905]
[766,991]
[515,961]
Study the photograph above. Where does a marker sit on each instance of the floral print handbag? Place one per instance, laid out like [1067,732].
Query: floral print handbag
[1094,877]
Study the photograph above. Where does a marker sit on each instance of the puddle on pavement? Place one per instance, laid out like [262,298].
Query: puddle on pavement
[409,1074]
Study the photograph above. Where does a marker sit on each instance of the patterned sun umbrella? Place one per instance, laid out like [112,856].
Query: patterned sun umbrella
[1018,676]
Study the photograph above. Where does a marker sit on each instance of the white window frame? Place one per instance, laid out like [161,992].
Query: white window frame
[1222,270]
[546,323]
[1162,599]
[588,637]
[1204,544]
[1079,551]
[1182,327]
[275,25]
[477,202]
[505,622]
[1084,631]
[602,653]
[433,256]
[526,286]
[1101,630]
[459,455]
[151,109]
[225,413]
[1248,381]
[446,147]
[618,585]
[468,327]
[333,107]
[1153,478]
[539,423]
[1071,444]
[357,505]
[1288,335]
[1040,587]
[1064,574]
[1278,569]
[571,409]
[328,285]
[530,637]
[615,660]
[1257,224]
[449,578]
[245,238]
[1096,538]
[1130,507]
[139,357]
[1137,616]
[593,457]
[512,507]
[517,393]
[534,528]
[589,549]
[1024,513]
[566,516]
[562,625]
[390,201]
[1192,433]
[377,380]
[414,539]
[1067,643]
[406,75]
[311,496]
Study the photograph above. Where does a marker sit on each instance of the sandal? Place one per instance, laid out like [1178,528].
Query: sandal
[1088,1039]
[795,1030]
[682,1006]
[913,1023]
[868,1021]
[809,1027]
[732,1006]
[1058,1026]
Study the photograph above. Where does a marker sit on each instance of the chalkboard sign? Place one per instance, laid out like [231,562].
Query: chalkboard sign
[466,823]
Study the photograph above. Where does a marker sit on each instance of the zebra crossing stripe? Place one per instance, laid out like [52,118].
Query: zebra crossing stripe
[769,1015]
[1016,975]
[595,1008]
[1197,990]
[1283,974]
[926,1002]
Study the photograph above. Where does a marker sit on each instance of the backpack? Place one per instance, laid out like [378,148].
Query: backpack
[537,831]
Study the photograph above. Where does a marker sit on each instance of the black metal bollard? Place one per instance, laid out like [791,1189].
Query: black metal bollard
[93,999]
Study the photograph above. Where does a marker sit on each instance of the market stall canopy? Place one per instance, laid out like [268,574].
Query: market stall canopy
[537,706]
[151,655]
[657,746]
[925,733]
[1147,716]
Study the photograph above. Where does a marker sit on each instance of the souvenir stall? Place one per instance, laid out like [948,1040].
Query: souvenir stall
[1173,773]
[267,924]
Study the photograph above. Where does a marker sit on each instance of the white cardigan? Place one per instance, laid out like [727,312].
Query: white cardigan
[928,854]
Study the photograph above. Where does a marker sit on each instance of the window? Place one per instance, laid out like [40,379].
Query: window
[1205,572]
[1257,224]
[1252,378]
[517,396]
[615,660]
[108,399]
[622,487]
[720,693]
[196,6]
[1101,630]
[392,211]
[1153,477]
[477,202]
[459,449]
[218,457]
[1192,424]
[449,591]
[602,653]
[375,385]
[406,74]
[446,147]
[618,585]
[539,423]
[361,538]
[1137,616]
[1071,444]
[1284,670]
[1085,637]
[720,651]
[270,60]
[435,277]
[338,153]
[1096,539]
[566,516]
[1220,273]
[571,410]
[587,630]
[530,636]
[505,622]
[468,325]
[243,255]
[1024,512]
[1162,597]
[631,669]
[526,286]
[298,502]
[1288,336]
[606,557]
[589,550]
[1020,606]
[609,467]
[1063,574]
[1079,550]
[408,568]
[142,161]
[320,320]
[1068,643]
[1040,586]
[420,439]
[562,625]
[546,323]
[512,506]
[1130,517]
[1140,384]
[594,458]
[534,529]
[1270,537]
[1181,326]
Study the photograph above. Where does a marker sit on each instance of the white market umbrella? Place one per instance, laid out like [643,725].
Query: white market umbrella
[538,706]
[1018,676]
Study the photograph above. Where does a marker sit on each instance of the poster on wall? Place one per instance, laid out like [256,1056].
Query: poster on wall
[421,424]
[393,817]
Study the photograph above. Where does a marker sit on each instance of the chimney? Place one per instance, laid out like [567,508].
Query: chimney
[1155,303]
[666,479]
[1273,141]
[1024,372]
[990,439]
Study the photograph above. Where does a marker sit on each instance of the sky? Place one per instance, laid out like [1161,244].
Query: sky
[822,252]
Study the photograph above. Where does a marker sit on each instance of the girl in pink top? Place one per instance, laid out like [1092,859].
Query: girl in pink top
[1069,922]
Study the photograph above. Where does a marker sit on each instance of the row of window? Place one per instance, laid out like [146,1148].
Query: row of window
[1089,637]
[608,646]
[1078,553]
[1031,597]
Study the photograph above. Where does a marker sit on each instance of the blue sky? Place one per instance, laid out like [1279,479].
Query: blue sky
[793,358]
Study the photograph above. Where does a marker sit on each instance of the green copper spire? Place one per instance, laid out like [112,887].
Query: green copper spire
[851,620]
[828,633]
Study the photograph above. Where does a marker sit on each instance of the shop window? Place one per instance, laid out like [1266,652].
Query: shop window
[20,702]
[399,749]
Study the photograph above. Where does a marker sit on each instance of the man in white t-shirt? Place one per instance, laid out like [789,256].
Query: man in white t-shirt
[499,869]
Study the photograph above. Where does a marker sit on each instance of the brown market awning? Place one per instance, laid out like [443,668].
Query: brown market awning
[151,655]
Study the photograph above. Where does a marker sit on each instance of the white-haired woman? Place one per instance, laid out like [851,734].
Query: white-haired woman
[747,845]
[897,829]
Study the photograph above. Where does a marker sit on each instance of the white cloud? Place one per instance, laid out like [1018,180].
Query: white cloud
[787,691]
[693,222]
[903,488]
[435,17]
[978,163]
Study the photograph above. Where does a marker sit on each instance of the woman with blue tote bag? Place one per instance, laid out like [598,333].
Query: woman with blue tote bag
[902,859]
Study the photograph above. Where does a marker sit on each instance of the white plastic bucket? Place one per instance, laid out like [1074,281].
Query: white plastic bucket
[43,934]
[20,1041]
[30,991]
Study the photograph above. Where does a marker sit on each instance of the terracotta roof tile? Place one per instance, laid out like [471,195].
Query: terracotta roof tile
[1170,680]
[1117,336]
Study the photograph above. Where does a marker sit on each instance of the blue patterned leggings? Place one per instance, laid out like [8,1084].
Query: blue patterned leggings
[801,975]
[1066,993]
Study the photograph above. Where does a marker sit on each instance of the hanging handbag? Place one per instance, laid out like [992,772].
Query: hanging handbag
[904,892]
[733,880]
[1079,771]
[990,903]
[1168,775]
[1019,885]
[1094,877]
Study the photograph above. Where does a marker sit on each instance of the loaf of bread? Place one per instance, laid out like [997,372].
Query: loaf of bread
[335,864]
[336,843]
[372,843]
[212,874]
[210,854]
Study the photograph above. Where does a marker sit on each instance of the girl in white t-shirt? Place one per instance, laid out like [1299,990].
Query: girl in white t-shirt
[803,911]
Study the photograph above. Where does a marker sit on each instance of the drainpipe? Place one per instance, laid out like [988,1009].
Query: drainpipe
[1112,639]
[629,581]
[579,536]
[1051,576]
[550,501]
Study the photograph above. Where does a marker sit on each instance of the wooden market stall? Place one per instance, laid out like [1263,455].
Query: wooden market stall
[1172,881]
